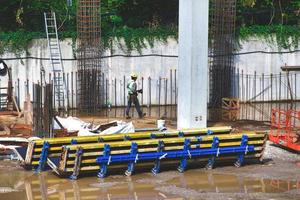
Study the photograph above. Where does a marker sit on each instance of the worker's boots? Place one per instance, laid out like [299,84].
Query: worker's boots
[142,115]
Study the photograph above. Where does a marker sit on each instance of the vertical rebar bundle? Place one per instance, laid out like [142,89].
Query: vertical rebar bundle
[90,96]
[222,36]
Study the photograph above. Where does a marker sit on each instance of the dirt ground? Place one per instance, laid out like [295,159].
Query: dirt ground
[151,122]
[147,122]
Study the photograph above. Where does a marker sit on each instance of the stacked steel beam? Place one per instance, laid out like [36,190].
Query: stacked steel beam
[222,33]
[90,95]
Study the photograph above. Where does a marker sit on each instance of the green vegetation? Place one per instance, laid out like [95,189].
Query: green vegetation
[286,37]
[138,21]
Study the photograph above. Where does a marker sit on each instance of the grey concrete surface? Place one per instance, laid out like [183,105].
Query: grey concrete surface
[193,63]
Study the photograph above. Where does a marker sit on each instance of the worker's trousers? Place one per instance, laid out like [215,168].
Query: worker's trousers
[133,99]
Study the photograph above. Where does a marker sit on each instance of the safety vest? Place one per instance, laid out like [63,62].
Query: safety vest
[131,86]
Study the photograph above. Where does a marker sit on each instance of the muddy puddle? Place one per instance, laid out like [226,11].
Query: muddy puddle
[15,183]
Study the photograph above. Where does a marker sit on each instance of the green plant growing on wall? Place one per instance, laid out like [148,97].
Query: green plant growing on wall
[142,22]
[285,37]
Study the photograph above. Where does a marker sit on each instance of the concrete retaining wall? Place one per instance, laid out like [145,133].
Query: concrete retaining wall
[117,68]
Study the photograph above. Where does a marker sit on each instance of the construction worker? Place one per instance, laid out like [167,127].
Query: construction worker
[133,96]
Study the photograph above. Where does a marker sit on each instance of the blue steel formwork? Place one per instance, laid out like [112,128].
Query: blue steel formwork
[46,146]
[186,153]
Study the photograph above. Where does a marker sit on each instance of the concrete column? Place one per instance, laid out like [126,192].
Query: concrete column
[193,63]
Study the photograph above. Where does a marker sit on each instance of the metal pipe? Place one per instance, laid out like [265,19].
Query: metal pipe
[142,100]
[243,95]
[295,87]
[166,96]
[72,92]
[175,86]
[68,92]
[124,94]
[159,95]
[149,96]
[280,86]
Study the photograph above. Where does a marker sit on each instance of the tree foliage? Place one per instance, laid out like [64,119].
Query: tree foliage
[132,19]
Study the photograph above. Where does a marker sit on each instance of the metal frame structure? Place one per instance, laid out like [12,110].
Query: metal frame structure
[285,124]
[80,159]
[222,36]
[90,94]
[184,154]
[38,150]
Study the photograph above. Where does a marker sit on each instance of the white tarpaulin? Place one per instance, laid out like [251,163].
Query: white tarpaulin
[73,124]
[122,127]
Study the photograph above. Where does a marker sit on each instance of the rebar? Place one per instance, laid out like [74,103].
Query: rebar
[89,54]
[222,36]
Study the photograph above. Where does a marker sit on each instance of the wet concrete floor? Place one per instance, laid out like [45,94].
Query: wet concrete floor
[250,182]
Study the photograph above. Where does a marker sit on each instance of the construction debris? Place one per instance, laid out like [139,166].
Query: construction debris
[74,124]
[4,130]
[12,125]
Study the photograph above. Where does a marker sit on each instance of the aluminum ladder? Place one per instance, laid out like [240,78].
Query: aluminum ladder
[3,98]
[60,90]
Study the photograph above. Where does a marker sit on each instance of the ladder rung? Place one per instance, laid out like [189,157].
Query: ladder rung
[56,56]
[57,68]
